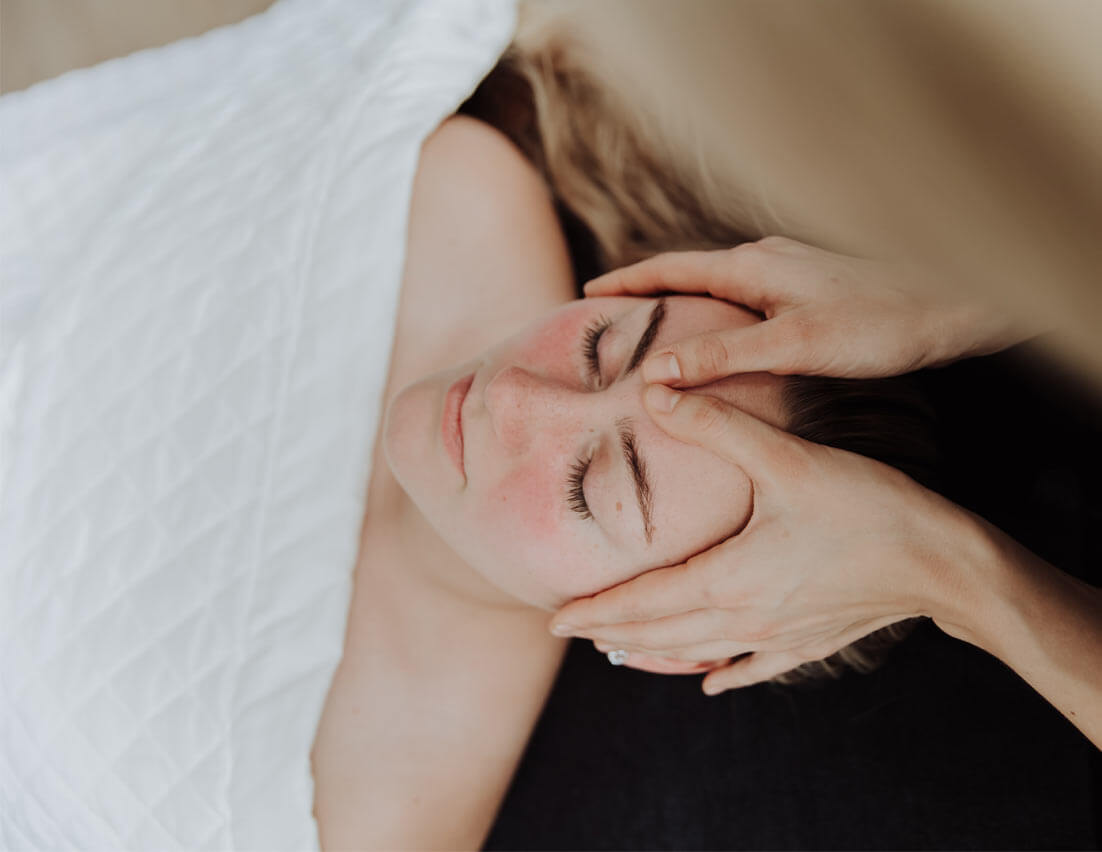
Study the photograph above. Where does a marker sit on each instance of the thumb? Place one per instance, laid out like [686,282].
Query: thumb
[762,347]
[760,449]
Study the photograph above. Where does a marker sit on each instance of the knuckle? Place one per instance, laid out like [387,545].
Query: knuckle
[754,632]
[713,581]
[747,258]
[699,572]
[710,595]
[803,331]
[798,460]
[711,355]
[774,242]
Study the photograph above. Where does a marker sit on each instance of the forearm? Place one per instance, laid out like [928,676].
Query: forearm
[1043,623]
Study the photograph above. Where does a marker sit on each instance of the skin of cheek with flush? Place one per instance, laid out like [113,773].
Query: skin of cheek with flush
[527,506]
[555,348]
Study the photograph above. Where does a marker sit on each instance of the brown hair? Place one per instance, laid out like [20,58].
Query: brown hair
[626,190]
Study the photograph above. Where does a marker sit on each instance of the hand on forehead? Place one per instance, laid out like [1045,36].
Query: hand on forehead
[695,498]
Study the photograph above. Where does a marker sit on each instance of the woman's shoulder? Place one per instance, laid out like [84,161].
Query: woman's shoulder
[485,253]
[465,154]
[476,194]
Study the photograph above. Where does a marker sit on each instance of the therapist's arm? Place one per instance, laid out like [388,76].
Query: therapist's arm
[1043,623]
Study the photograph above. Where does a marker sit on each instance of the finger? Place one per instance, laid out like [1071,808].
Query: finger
[684,271]
[762,450]
[805,648]
[656,594]
[751,669]
[718,649]
[676,631]
[768,347]
[663,665]
[721,650]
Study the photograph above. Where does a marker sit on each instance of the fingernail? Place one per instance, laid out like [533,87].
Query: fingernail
[661,398]
[661,368]
[711,689]
[562,629]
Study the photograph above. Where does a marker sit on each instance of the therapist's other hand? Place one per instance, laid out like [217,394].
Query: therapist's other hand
[837,546]
[825,314]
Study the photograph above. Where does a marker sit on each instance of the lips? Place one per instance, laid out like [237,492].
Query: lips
[451,425]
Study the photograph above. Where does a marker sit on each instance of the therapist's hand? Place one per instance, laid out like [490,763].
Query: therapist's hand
[825,314]
[837,546]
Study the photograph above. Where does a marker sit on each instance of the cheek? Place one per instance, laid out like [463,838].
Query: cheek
[549,351]
[523,502]
[553,556]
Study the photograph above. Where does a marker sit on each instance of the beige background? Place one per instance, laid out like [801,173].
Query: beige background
[40,39]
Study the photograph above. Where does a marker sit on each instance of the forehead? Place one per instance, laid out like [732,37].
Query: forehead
[698,497]
[687,315]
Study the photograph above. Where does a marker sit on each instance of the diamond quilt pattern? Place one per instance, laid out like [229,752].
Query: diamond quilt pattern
[200,250]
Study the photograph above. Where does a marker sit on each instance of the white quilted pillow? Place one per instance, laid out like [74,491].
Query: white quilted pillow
[200,255]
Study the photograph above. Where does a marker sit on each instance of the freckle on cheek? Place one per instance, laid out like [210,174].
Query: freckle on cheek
[619,507]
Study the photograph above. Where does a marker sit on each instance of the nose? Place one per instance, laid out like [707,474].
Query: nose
[522,405]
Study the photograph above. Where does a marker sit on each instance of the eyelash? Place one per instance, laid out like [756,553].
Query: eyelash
[576,495]
[590,339]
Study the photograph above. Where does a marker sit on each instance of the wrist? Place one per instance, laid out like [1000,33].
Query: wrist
[986,582]
[967,581]
[967,328]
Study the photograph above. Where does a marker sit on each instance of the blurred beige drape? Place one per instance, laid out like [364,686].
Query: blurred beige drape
[966,134]
[40,39]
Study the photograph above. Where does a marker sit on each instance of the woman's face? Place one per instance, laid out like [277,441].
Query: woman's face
[539,466]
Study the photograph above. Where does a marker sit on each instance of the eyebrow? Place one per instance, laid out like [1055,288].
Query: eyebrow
[649,335]
[643,492]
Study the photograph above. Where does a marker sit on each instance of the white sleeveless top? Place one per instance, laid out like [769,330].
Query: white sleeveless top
[200,253]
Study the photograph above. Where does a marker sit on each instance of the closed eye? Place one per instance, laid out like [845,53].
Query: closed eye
[575,488]
[590,340]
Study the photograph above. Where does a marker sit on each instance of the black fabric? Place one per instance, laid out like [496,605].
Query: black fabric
[943,748]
